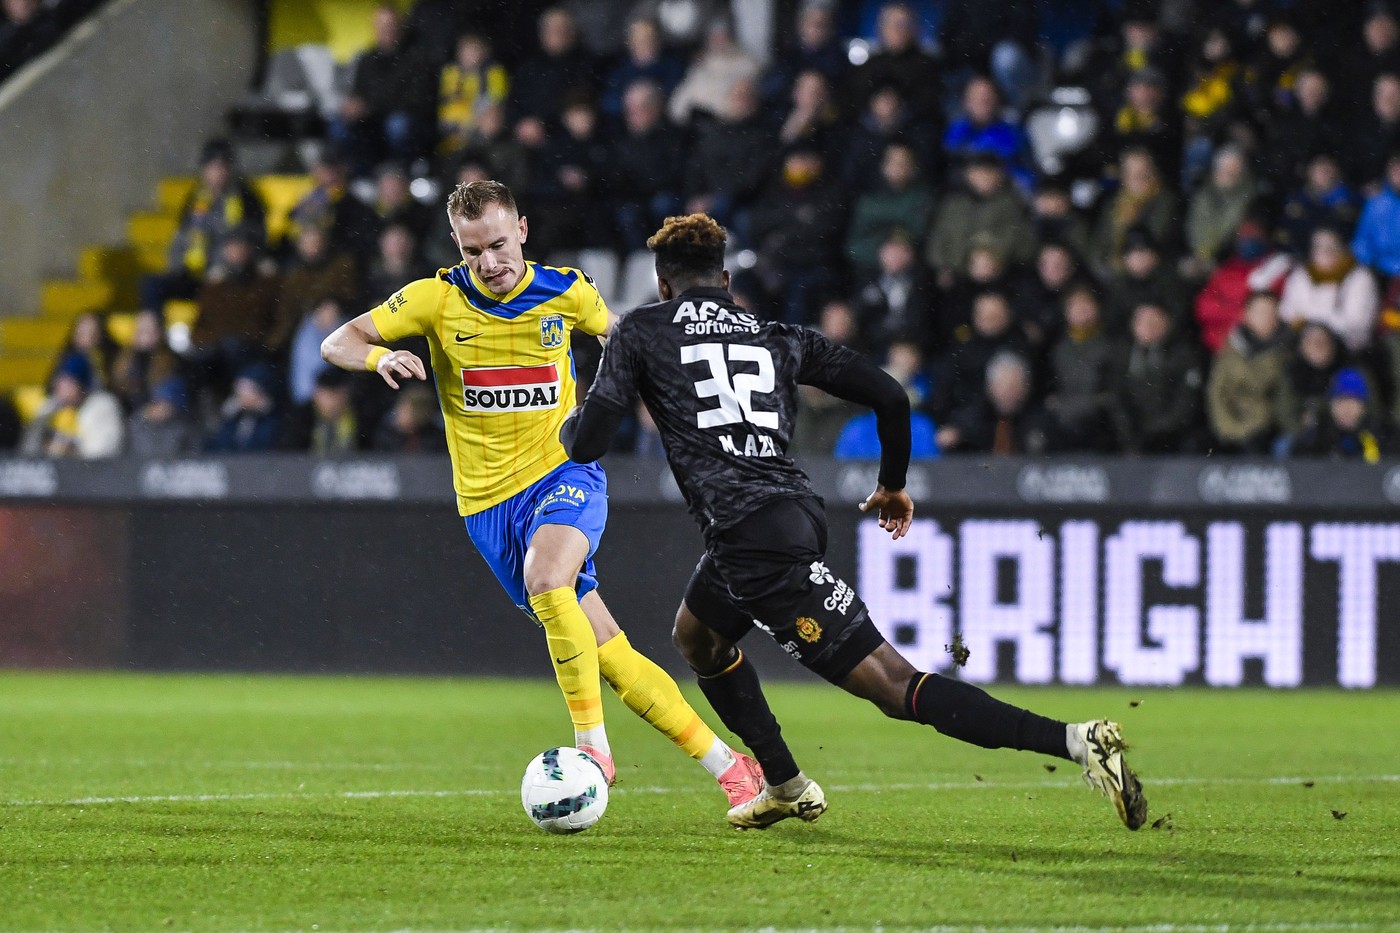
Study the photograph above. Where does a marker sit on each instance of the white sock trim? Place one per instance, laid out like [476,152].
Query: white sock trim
[596,738]
[719,759]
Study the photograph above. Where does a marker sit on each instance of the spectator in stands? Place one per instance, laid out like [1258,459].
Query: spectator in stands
[896,302]
[901,201]
[327,425]
[146,363]
[1333,289]
[1377,54]
[470,81]
[816,47]
[394,202]
[1318,355]
[646,178]
[981,127]
[1211,91]
[1157,384]
[1245,395]
[1253,267]
[684,23]
[236,310]
[646,59]
[821,417]
[995,37]
[1377,240]
[161,426]
[1054,218]
[1273,72]
[330,206]
[394,266]
[963,372]
[812,118]
[545,81]
[710,81]
[219,203]
[731,159]
[796,229]
[1301,129]
[571,178]
[986,207]
[900,63]
[388,111]
[78,419]
[1324,200]
[313,275]
[1143,278]
[411,426]
[884,121]
[1004,418]
[1041,308]
[986,271]
[26,30]
[1139,44]
[1347,429]
[88,338]
[250,418]
[1216,210]
[304,363]
[1140,202]
[492,148]
[1146,121]
[1081,378]
[1373,140]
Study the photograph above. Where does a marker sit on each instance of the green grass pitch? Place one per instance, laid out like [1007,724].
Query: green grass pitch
[135,803]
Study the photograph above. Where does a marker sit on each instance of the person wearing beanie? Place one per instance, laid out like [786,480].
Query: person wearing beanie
[1348,429]
[77,419]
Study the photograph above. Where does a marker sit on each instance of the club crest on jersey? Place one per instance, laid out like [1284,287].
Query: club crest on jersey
[551,331]
[808,629]
[511,388]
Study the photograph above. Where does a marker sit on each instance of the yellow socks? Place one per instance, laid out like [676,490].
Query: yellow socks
[574,652]
[652,694]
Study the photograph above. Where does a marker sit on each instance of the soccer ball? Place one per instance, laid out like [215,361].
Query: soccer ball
[564,791]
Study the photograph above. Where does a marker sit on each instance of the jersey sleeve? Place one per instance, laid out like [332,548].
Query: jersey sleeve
[616,383]
[592,313]
[823,362]
[409,311]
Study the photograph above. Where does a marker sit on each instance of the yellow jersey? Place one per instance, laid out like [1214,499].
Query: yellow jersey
[504,370]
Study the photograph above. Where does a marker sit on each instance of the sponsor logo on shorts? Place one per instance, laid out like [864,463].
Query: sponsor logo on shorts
[808,629]
[552,331]
[842,595]
[511,388]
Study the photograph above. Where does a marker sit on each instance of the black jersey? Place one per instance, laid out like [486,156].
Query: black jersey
[722,388]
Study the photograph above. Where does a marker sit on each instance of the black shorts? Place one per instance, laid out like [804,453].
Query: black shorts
[768,571]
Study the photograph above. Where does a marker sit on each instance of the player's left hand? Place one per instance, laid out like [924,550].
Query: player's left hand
[895,510]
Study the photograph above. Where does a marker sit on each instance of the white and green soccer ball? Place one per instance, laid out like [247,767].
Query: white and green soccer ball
[564,791]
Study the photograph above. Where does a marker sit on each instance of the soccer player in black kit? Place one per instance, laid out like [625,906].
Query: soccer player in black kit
[722,388]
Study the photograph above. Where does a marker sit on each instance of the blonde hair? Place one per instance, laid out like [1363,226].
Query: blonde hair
[470,199]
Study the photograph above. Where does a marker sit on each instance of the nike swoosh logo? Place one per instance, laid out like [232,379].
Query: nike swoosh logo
[461,339]
[557,508]
[568,659]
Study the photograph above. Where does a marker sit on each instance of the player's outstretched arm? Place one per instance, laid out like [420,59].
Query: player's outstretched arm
[588,431]
[354,345]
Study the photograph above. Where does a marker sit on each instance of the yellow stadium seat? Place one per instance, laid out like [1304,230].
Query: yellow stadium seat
[344,25]
[181,312]
[280,193]
[17,370]
[121,327]
[66,300]
[32,335]
[28,400]
[171,193]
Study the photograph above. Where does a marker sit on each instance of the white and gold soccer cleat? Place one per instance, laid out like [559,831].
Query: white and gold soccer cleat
[1100,751]
[765,809]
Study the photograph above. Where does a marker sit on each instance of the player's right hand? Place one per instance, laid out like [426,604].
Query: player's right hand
[894,509]
[401,363]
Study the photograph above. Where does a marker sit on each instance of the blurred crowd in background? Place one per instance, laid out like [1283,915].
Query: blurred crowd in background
[1069,226]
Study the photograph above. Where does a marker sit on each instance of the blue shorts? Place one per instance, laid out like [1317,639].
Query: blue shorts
[574,494]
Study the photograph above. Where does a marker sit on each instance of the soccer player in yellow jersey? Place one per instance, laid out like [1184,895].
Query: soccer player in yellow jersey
[498,328]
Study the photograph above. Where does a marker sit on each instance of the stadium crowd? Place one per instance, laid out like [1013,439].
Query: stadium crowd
[1216,270]
[29,27]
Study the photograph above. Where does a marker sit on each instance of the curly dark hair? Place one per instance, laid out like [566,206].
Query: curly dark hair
[689,249]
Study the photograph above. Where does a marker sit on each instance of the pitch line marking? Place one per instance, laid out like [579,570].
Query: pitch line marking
[835,788]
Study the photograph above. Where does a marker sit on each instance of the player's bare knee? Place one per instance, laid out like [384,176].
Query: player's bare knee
[542,579]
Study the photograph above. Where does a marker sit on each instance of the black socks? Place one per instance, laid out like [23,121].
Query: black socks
[737,697]
[961,711]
